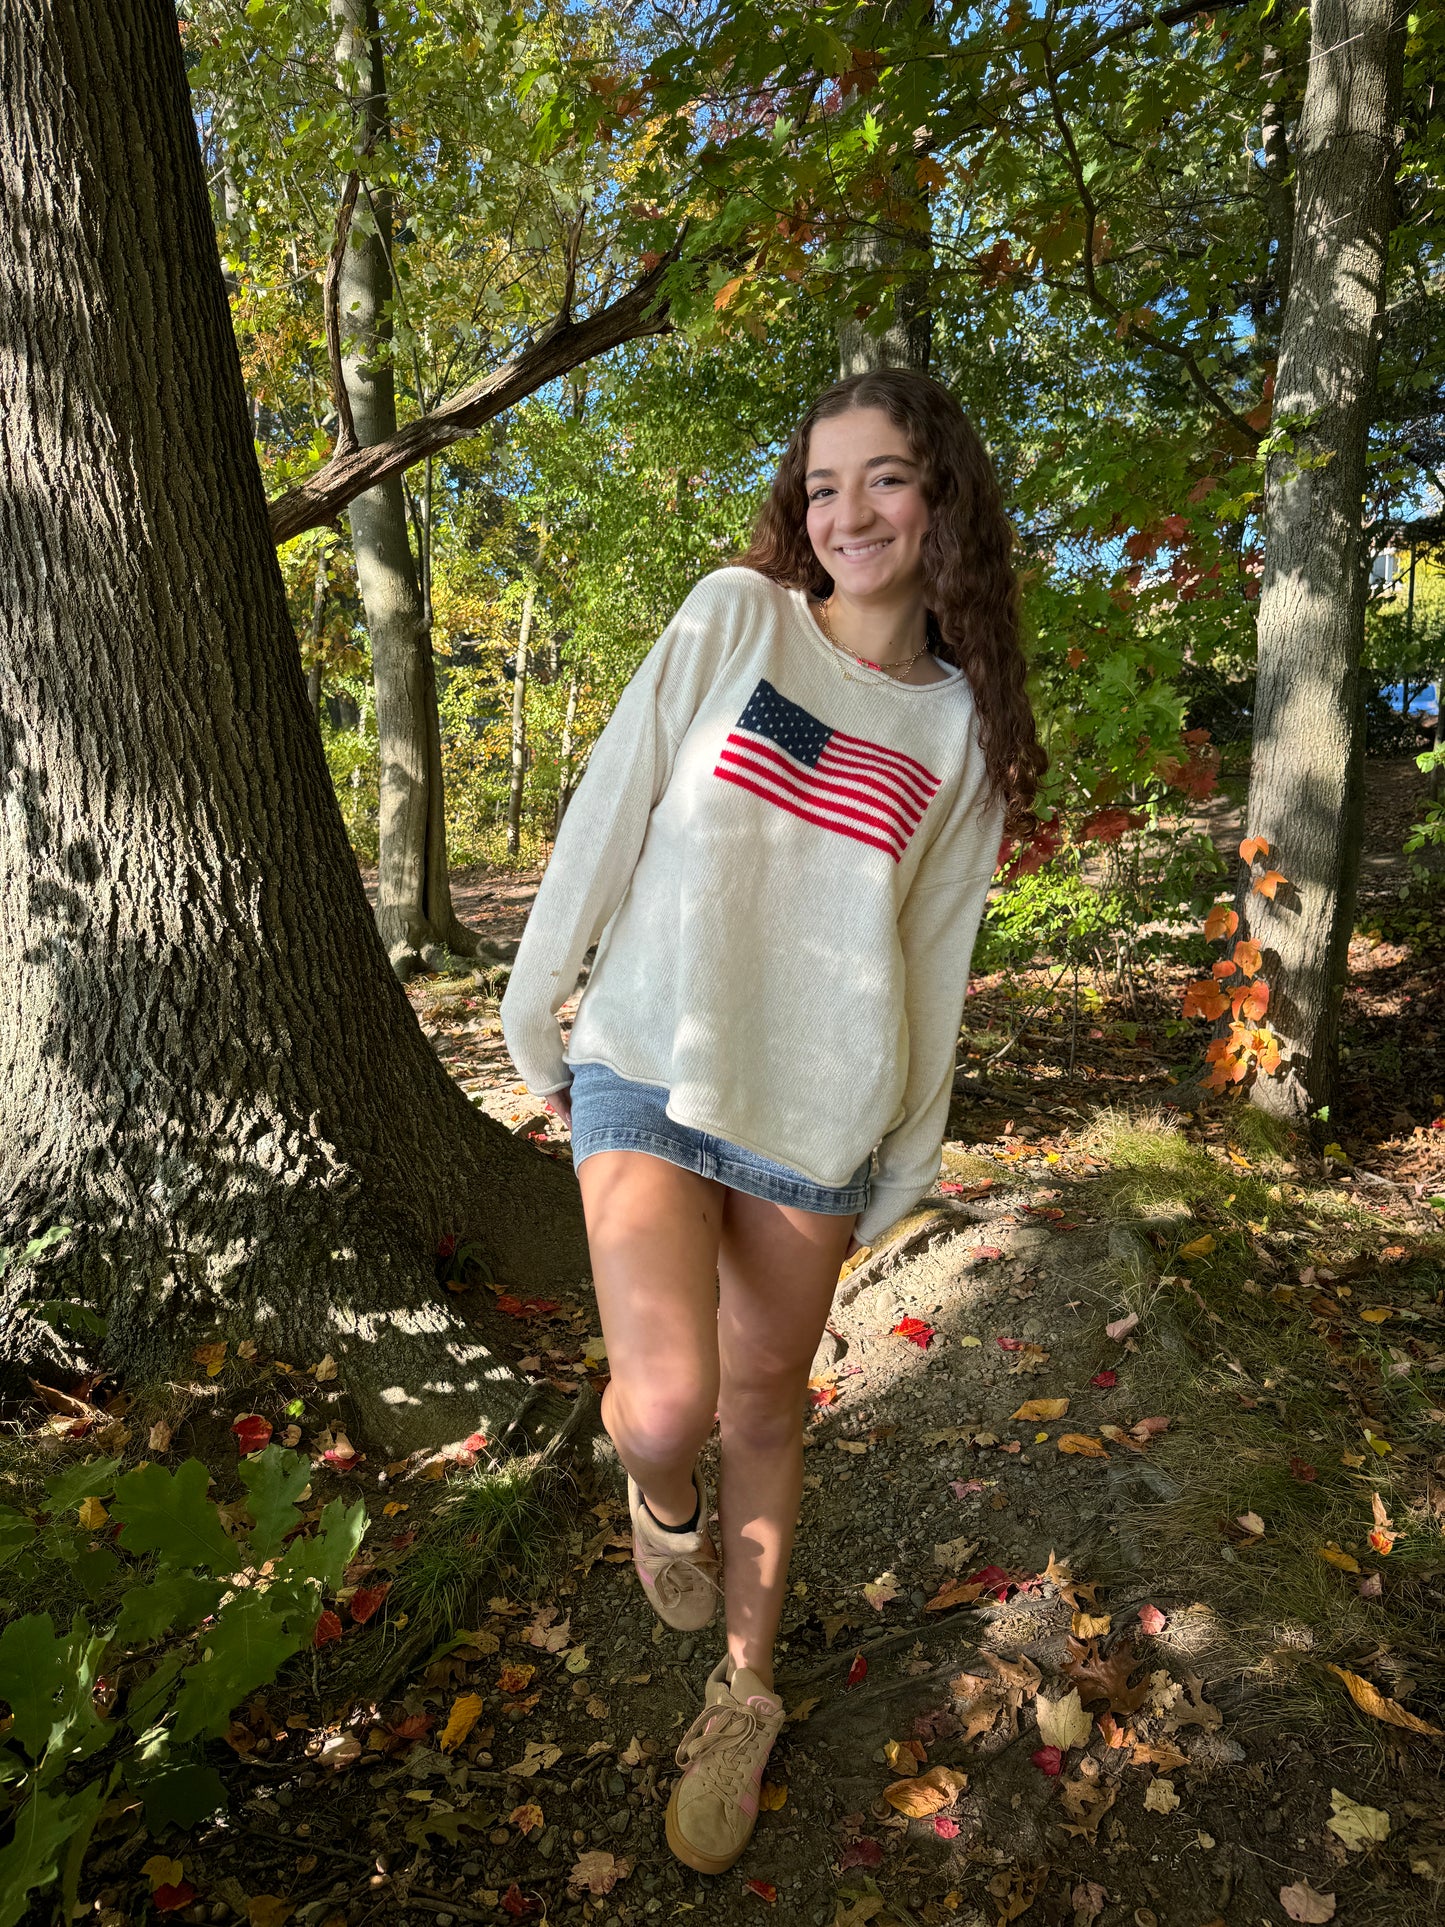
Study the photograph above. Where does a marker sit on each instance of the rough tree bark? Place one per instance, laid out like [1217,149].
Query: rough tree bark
[1305,788]
[207,1068]
[413,890]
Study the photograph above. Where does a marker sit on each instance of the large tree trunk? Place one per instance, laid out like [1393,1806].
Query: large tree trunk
[1306,775]
[413,894]
[207,1069]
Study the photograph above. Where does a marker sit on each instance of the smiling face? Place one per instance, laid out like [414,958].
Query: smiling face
[866,512]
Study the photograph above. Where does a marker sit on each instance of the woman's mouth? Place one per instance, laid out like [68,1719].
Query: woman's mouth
[860,551]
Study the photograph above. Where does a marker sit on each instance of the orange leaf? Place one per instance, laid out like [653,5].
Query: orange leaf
[1203,999]
[726,292]
[1221,922]
[1255,1002]
[1039,1409]
[1247,956]
[1270,882]
[1253,846]
[939,1787]
[464,1715]
[1219,971]
[1081,1446]
[1370,1700]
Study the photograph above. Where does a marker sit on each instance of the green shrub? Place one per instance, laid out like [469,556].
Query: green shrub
[204,1619]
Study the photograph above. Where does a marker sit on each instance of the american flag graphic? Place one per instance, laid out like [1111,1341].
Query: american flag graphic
[844,783]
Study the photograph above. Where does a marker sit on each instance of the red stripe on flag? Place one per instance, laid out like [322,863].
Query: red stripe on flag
[824,822]
[805,784]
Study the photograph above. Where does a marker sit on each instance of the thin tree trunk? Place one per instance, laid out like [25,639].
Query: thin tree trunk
[413,893]
[1305,794]
[207,1069]
[519,726]
[565,784]
[318,623]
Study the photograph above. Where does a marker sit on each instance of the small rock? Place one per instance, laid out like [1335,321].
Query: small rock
[620,1822]
[685,1649]
[616,1785]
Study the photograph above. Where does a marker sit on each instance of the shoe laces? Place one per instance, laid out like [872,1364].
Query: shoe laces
[719,1740]
[676,1576]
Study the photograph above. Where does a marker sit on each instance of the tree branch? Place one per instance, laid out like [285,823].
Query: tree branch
[564,346]
[341,400]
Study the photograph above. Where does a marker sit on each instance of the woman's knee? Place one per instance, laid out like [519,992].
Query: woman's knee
[763,1410]
[660,1420]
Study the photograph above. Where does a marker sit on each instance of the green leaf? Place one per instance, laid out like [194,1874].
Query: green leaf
[325,1556]
[16,1532]
[149,1702]
[245,1649]
[182,1797]
[274,1480]
[32,1673]
[95,1479]
[176,1598]
[171,1516]
[43,1826]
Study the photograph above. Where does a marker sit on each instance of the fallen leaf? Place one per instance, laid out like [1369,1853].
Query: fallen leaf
[1090,1625]
[939,1787]
[526,1819]
[1086,1803]
[340,1749]
[325,1370]
[1252,1523]
[1106,1679]
[1370,1700]
[904,1756]
[1358,1826]
[1152,1620]
[1048,1759]
[169,1900]
[160,1436]
[1104,1381]
[365,1601]
[1122,1327]
[515,1679]
[861,1853]
[1080,1445]
[328,1627]
[163,1871]
[598,1873]
[1016,1891]
[268,1910]
[772,1796]
[465,1713]
[945,1828]
[539,1756]
[213,1357]
[1190,1708]
[762,1889]
[915,1330]
[1063,1722]
[1088,1901]
[880,1591]
[953,1554]
[858,1671]
[1149,1428]
[1196,1248]
[91,1514]
[1301,1902]
[252,1432]
[1160,1797]
[1344,1560]
[1042,1409]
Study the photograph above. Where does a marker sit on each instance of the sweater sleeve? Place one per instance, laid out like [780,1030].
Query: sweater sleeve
[936,927]
[601,836]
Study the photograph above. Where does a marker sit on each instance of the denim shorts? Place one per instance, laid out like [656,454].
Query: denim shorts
[612,1113]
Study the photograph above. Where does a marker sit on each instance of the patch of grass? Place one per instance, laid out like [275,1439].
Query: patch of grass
[1154,1166]
[488,1526]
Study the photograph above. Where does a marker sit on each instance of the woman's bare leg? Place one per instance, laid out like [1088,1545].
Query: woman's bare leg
[653,1231]
[778,1269]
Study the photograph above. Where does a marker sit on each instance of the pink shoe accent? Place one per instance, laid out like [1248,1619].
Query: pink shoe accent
[749,1804]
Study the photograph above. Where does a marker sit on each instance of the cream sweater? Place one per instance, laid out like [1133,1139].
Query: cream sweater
[782,858]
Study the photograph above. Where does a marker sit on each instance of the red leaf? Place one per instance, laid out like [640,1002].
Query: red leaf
[1305,1473]
[476,1443]
[516,1903]
[525,1308]
[415,1726]
[963,1488]
[252,1432]
[1152,1620]
[1105,1381]
[448,1245]
[995,1580]
[168,1900]
[365,1601]
[762,1888]
[914,1329]
[858,1671]
[982,1252]
[823,1394]
[862,1853]
[328,1627]
[1048,1760]
[1010,1344]
[945,1828]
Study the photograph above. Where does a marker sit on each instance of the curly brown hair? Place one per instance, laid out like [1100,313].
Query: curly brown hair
[971,590]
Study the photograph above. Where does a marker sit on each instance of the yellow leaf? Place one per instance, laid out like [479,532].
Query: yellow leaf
[161,1871]
[577,1661]
[939,1787]
[1041,1438]
[1370,1700]
[1198,1247]
[92,1515]
[393,1508]
[901,1757]
[1358,1826]
[1042,1408]
[463,1717]
[527,1819]
[969,1341]
[268,1910]
[1079,1445]
[1344,1560]
[1377,1314]
[803,1709]
[1090,1625]
[772,1797]
[854,1446]
[1063,1723]
[213,1357]
[726,292]
[1377,1444]
[1352,1458]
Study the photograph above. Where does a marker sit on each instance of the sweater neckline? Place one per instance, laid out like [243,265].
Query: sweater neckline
[859,673]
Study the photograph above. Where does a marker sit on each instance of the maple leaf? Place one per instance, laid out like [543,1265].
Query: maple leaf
[1098,1678]
[252,1432]
[1048,1759]
[1104,1381]
[861,1853]
[916,1331]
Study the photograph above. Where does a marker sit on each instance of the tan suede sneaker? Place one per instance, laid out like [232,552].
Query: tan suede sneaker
[714,1806]
[678,1570]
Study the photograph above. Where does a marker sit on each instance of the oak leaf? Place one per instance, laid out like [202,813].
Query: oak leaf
[1106,1679]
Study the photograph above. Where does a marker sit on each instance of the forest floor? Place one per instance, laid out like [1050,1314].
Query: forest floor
[1118,1585]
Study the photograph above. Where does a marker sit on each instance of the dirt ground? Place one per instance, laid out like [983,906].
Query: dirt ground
[1233,1350]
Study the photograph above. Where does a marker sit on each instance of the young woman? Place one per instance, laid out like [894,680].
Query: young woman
[781,848]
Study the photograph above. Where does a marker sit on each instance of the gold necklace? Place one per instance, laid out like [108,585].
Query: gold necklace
[887,668]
